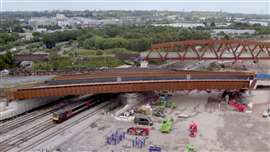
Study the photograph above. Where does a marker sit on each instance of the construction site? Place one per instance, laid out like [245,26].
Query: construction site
[211,95]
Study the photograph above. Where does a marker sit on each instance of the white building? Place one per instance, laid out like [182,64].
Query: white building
[41,30]
[233,31]
[36,21]
[60,17]
[191,25]
[261,22]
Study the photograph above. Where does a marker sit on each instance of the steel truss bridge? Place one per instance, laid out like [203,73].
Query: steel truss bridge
[209,50]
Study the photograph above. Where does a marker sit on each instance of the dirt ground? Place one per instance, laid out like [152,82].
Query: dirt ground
[260,101]
[219,129]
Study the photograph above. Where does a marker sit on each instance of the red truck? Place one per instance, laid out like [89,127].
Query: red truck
[237,106]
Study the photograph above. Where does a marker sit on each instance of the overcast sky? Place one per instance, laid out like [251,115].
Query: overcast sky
[235,6]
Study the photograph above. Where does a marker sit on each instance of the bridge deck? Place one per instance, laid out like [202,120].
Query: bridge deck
[131,72]
[108,82]
[128,86]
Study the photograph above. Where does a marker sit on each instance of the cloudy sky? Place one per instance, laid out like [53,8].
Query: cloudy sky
[235,6]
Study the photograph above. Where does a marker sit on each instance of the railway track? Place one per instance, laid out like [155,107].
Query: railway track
[29,117]
[58,131]
[40,127]
[5,128]
[26,135]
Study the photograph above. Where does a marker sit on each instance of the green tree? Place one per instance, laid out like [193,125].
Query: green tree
[117,42]
[213,24]
[7,60]
[83,37]
[96,42]
[49,40]
[139,44]
[112,31]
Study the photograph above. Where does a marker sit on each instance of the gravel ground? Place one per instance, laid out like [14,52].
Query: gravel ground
[219,130]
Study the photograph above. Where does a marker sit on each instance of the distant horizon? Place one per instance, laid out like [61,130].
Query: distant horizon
[255,7]
[139,10]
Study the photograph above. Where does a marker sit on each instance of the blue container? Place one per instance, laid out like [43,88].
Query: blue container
[262,76]
[154,149]
[138,142]
[115,138]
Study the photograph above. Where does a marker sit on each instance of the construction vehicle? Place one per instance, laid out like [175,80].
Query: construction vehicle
[138,131]
[189,148]
[167,104]
[159,112]
[237,106]
[166,126]
[266,113]
[193,128]
[171,104]
[164,101]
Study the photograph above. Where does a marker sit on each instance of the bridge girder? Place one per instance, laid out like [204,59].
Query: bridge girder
[117,87]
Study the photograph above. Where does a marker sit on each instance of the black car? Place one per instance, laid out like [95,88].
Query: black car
[143,120]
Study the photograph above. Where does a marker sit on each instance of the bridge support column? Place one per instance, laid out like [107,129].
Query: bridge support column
[130,100]
[253,85]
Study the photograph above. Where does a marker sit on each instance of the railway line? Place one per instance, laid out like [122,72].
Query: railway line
[17,122]
[26,135]
[44,122]
[9,126]
[56,131]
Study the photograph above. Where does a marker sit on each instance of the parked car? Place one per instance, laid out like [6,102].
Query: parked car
[138,131]
[143,120]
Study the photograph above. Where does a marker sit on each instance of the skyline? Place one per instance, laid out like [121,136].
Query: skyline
[249,7]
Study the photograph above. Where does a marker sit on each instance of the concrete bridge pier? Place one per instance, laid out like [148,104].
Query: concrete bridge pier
[130,100]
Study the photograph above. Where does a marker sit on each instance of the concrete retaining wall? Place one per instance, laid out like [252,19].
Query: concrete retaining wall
[15,108]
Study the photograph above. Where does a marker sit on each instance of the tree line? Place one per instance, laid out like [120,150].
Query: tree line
[6,38]
[131,38]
